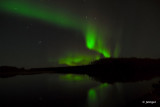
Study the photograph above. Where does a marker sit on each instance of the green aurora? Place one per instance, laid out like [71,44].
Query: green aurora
[78,58]
[116,50]
[94,41]
[29,10]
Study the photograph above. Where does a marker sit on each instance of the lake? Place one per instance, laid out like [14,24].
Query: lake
[69,90]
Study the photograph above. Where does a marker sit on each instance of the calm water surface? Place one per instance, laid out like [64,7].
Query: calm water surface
[61,90]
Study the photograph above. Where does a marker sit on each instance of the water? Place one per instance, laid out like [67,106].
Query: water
[61,90]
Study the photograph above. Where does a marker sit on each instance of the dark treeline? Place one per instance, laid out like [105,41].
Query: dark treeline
[103,70]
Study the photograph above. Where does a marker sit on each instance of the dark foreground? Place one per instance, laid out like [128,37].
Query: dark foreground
[110,71]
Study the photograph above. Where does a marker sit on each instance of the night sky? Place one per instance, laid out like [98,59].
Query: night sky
[49,33]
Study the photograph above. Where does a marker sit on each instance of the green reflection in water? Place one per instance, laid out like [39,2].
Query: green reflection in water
[103,85]
[72,77]
[95,94]
[92,98]
[92,94]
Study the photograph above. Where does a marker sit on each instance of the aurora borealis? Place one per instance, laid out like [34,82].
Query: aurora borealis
[32,11]
[57,33]
[73,59]
[45,43]
[93,40]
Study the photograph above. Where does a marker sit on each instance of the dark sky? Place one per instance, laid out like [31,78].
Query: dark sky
[29,42]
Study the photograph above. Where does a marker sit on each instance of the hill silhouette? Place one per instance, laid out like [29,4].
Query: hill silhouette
[104,70]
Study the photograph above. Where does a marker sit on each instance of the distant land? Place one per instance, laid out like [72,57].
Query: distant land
[104,70]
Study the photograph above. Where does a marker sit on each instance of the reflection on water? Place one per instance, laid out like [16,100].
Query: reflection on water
[94,95]
[73,77]
[92,98]
[68,90]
